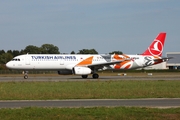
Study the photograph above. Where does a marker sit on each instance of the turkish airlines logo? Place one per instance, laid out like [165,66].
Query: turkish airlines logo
[156,48]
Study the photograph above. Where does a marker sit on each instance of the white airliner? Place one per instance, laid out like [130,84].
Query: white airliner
[84,65]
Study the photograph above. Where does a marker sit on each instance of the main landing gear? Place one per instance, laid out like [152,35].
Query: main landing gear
[95,76]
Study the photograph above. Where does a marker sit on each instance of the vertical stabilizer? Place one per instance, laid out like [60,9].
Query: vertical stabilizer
[156,47]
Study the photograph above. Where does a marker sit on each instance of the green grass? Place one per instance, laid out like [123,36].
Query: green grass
[89,90]
[96,113]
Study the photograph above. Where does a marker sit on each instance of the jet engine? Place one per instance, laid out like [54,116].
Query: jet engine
[81,70]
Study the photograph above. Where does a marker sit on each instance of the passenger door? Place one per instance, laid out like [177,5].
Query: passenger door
[27,60]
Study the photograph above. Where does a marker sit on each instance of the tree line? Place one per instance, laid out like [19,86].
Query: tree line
[6,56]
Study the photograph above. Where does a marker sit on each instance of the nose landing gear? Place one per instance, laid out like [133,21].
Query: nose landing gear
[25,74]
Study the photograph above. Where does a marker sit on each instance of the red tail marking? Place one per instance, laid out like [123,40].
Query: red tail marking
[156,47]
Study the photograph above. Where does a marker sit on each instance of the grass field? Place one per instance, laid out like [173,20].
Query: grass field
[91,90]
[96,113]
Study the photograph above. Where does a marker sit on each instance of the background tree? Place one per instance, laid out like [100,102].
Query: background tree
[73,52]
[2,52]
[87,51]
[9,51]
[116,52]
[15,53]
[49,49]
[5,57]
[22,52]
[31,49]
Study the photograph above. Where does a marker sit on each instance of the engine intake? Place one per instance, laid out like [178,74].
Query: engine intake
[81,70]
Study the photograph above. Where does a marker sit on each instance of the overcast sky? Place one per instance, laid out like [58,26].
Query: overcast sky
[104,25]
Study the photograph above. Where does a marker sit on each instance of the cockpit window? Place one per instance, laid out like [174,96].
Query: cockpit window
[16,59]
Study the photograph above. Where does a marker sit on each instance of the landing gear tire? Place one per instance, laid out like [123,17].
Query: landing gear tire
[84,76]
[25,76]
[95,76]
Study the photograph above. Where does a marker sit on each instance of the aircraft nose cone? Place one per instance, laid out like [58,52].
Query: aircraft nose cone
[8,65]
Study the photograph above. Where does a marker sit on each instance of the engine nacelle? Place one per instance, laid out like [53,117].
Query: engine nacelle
[65,72]
[81,70]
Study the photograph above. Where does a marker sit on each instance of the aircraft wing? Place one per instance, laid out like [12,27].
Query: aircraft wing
[100,65]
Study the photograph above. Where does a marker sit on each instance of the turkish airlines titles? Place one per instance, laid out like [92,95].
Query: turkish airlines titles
[52,57]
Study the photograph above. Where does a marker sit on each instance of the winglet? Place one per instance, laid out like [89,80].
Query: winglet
[156,47]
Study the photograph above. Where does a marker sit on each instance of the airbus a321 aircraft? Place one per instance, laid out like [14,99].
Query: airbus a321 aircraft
[84,65]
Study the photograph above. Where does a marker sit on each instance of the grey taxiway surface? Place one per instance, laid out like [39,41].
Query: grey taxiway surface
[78,78]
[162,102]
